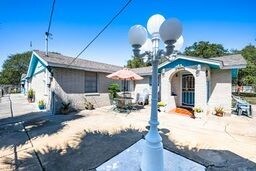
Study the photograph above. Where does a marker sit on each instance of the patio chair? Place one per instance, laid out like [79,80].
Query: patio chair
[242,106]
[143,98]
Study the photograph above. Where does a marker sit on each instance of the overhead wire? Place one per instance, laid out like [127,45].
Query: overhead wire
[47,34]
[50,20]
[102,30]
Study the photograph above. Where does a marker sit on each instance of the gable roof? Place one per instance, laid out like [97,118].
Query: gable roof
[58,60]
[224,62]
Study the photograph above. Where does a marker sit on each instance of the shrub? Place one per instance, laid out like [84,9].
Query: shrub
[161,104]
[113,89]
[198,109]
[219,111]
[65,108]
[31,93]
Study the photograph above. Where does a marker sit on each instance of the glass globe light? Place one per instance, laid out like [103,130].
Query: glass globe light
[154,23]
[137,35]
[171,29]
[147,46]
[179,43]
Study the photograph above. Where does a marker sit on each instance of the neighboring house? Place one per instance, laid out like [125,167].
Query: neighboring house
[206,83]
[185,81]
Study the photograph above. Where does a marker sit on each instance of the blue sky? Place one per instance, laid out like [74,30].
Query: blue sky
[229,22]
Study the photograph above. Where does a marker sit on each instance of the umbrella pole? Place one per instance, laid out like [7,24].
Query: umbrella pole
[124,88]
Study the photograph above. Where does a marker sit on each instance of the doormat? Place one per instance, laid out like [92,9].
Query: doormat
[183,111]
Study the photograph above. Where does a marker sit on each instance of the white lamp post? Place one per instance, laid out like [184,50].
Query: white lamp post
[169,31]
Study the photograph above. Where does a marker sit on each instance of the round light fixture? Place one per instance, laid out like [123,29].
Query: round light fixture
[137,35]
[171,29]
[147,46]
[154,23]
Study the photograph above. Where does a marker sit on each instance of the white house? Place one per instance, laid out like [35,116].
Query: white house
[207,83]
[184,81]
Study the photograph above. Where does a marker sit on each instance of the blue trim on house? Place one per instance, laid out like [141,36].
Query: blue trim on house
[36,65]
[234,73]
[184,63]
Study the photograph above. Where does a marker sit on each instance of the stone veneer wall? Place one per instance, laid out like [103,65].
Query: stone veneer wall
[69,84]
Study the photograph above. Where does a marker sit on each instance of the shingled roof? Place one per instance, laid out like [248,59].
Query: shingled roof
[58,60]
[231,60]
[143,70]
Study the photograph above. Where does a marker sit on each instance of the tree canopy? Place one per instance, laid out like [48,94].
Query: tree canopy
[13,67]
[136,62]
[205,49]
[248,74]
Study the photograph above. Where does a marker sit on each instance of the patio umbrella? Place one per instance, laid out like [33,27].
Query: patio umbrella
[124,74]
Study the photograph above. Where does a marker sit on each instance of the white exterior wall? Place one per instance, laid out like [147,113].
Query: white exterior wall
[176,88]
[167,88]
[221,88]
[38,84]
[201,89]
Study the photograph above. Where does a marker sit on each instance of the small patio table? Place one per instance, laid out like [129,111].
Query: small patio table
[124,104]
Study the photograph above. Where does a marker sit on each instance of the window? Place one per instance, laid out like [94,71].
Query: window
[91,82]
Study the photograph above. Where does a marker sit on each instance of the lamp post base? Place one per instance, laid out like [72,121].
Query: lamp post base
[152,157]
[130,160]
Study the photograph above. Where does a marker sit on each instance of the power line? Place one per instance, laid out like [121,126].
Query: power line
[47,34]
[50,20]
[104,28]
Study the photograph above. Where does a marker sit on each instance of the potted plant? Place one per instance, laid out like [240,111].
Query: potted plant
[198,112]
[219,111]
[41,104]
[161,106]
[31,95]
[65,107]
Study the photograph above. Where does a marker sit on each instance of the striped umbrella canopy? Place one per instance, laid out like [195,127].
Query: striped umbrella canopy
[124,74]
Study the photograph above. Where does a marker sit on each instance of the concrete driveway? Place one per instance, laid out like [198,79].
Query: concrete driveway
[84,140]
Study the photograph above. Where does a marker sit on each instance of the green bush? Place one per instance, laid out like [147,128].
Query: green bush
[113,89]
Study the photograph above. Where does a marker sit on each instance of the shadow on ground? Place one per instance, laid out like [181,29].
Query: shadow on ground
[19,133]
[95,148]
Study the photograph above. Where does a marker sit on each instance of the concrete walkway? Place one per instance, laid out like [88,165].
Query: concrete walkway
[84,140]
[15,108]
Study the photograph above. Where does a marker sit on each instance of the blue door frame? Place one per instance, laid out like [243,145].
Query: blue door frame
[188,90]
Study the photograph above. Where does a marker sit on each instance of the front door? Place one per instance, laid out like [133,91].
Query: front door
[188,90]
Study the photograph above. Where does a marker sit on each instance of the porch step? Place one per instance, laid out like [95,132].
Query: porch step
[183,111]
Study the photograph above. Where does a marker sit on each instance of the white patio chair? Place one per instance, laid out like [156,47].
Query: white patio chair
[242,106]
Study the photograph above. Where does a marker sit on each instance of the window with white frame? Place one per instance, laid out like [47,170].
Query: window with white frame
[91,82]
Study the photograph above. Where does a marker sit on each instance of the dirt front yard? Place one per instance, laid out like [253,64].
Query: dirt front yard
[85,140]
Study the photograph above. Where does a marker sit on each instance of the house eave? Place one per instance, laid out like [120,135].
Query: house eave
[234,67]
[79,68]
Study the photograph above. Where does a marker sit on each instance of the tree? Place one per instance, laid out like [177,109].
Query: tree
[205,49]
[13,67]
[248,74]
[136,62]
